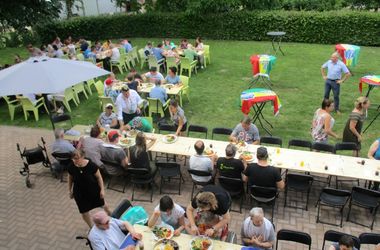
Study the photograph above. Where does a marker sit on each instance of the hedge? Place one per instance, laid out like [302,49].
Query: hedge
[361,28]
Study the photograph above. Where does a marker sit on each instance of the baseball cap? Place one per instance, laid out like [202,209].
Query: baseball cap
[108,81]
[112,135]
[100,217]
[125,88]
[109,105]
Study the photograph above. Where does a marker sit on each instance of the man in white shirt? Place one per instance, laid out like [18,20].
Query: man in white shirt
[127,103]
[115,56]
[201,162]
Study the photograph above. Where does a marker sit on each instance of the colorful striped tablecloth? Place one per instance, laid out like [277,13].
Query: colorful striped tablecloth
[251,97]
[262,64]
[373,80]
[349,54]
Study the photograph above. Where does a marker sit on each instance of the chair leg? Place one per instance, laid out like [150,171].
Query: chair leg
[151,192]
[161,183]
[285,196]
[341,216]
[36,116]
[12,112]
[179,185]
[349,211]
[67,105]
[26,115]
[373,217]
[319,209]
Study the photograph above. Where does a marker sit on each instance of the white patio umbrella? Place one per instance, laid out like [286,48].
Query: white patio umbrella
[46,75]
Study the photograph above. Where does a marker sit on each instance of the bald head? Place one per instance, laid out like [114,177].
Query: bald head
[334,57]
[199,146]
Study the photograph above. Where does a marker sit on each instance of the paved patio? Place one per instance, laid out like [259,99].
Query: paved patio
[44,217]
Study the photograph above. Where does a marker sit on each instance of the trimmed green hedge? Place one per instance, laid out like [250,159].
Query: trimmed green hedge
[361,28]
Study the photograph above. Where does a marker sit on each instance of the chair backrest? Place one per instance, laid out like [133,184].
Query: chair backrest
[346,146]
[138,172]
[155,105]
[221,131]
[171,62]
[141,54]
[367,194]
[69,93]
[300,178]
[25,102]
[121,208]
[9,102]
[199,172]
[62,118]
[206,49]
[334,236]
[152,61]
[324,147]
[165,127]
[300,143]
[271,140]
[185,62]
[294,236]
[169,168]
[263,192]
[232,185]
[80,57]
[336,192]
[62,158]
[99,87]
[369,238]
[197,129]
[184,80]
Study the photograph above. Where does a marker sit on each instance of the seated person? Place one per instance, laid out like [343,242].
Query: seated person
[208,213]
[190,53]
[140,123]
[60,145]
[184,44]
[112,152]
[172,77]
[201,162]
[345,243]
[158,92]
[159,53]
[131,82]
[92,145]
[115,53]
[106,233]
[148,50]
[136,76]
[108,90]
[58,53]
[173,53]
[245,131]
[153,75]
[261,174]
[108,117]
[92,54]
[170,213]
[127,45]
[229,166]
[257,231]
[167,44]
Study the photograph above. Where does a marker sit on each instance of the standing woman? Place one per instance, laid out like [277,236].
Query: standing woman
[353,128]
[86,185]
[323,122]
[177,115]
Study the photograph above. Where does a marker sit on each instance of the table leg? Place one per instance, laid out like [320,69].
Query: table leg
[370,87]
[374,119]
[274,48]
[258,112]
[279,45]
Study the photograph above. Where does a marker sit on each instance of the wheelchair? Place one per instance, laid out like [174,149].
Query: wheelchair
[31,157]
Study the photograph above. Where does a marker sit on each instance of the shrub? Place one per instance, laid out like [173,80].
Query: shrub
[361,28]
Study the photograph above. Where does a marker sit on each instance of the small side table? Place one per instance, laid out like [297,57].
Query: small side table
[277,37]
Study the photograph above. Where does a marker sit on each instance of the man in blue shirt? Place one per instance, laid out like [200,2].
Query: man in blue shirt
[127,46]
[158,52]
[159,92]
[333,79]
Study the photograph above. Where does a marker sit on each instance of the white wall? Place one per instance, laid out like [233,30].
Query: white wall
[91,8]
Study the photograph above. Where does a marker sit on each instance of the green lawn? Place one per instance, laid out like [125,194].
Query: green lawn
[215,91]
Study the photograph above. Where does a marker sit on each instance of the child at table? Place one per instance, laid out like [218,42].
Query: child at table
[170,213]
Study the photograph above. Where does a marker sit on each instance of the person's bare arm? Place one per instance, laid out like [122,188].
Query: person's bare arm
[327,127]
[373,149]
[132,230]
[100,183]
[280,185]
[323,72]
[345,77]
[353,129]
[190,217]
[113,123]
[153,219]
[180,125]
[257,142]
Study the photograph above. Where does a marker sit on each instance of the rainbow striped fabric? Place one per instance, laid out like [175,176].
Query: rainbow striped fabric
[373,80]
[262,64]
[349,54]
[251,97]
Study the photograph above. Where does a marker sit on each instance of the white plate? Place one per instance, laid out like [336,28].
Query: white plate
[164,138]
[130,142]
[161,243]
[201,237]
[165,226]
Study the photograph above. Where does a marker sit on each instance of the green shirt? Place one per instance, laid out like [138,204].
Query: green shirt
[191,54]
[146,126]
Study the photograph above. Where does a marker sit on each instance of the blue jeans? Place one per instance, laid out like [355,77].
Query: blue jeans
[335,87]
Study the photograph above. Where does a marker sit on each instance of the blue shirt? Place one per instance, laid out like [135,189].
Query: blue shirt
[157,52]
[127,47]
[172,80]
[159,93]
[86,53]
[377,153]
[334,70]
[153,78]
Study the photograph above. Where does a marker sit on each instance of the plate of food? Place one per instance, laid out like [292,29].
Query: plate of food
[247,156]
[169,138]
[166,244]
[201,243]
[208,152]
[169,86]
[163,232]
[125,142]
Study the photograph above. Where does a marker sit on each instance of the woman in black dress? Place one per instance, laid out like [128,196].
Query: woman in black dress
[86,186]
[138,155]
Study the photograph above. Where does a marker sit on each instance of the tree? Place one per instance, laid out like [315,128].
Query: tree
[21,14]
[128,5]
[364,4]
[171,6]
[70,4]
[212,6]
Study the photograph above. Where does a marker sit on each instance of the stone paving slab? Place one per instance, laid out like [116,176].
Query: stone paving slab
[44,217]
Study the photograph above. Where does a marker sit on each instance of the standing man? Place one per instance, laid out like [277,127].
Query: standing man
[333,79]
[127,103]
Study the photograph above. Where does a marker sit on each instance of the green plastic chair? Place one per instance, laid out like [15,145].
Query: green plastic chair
[187,64]
[207,56]
[12,106]
[122,51]
[152,62]
[80,57]
[99,85]
[79,88]
[120,64]
[104,100]
[66,98]
[185,91]
[156,106]
[171,62]
[88,84]
[135,55]
[143,59]
[27,106]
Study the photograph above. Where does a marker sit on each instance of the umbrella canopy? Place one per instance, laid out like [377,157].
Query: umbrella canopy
[46,75]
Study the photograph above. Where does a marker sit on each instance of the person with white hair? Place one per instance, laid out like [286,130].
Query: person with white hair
[258,231]
[333,78]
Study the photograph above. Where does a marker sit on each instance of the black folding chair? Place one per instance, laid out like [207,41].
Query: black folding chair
[61,119]
[346,146]
[323,147]
[63,159]
[271,140]
[334,236]
[197,129]
[300,143]
[221,131]
[141,176]
[199,173]
[299,183]
[364,198]
[235,187]
[122,172]
[293,236]
[369,239]
[169,171]
[264,195]
[334,198]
